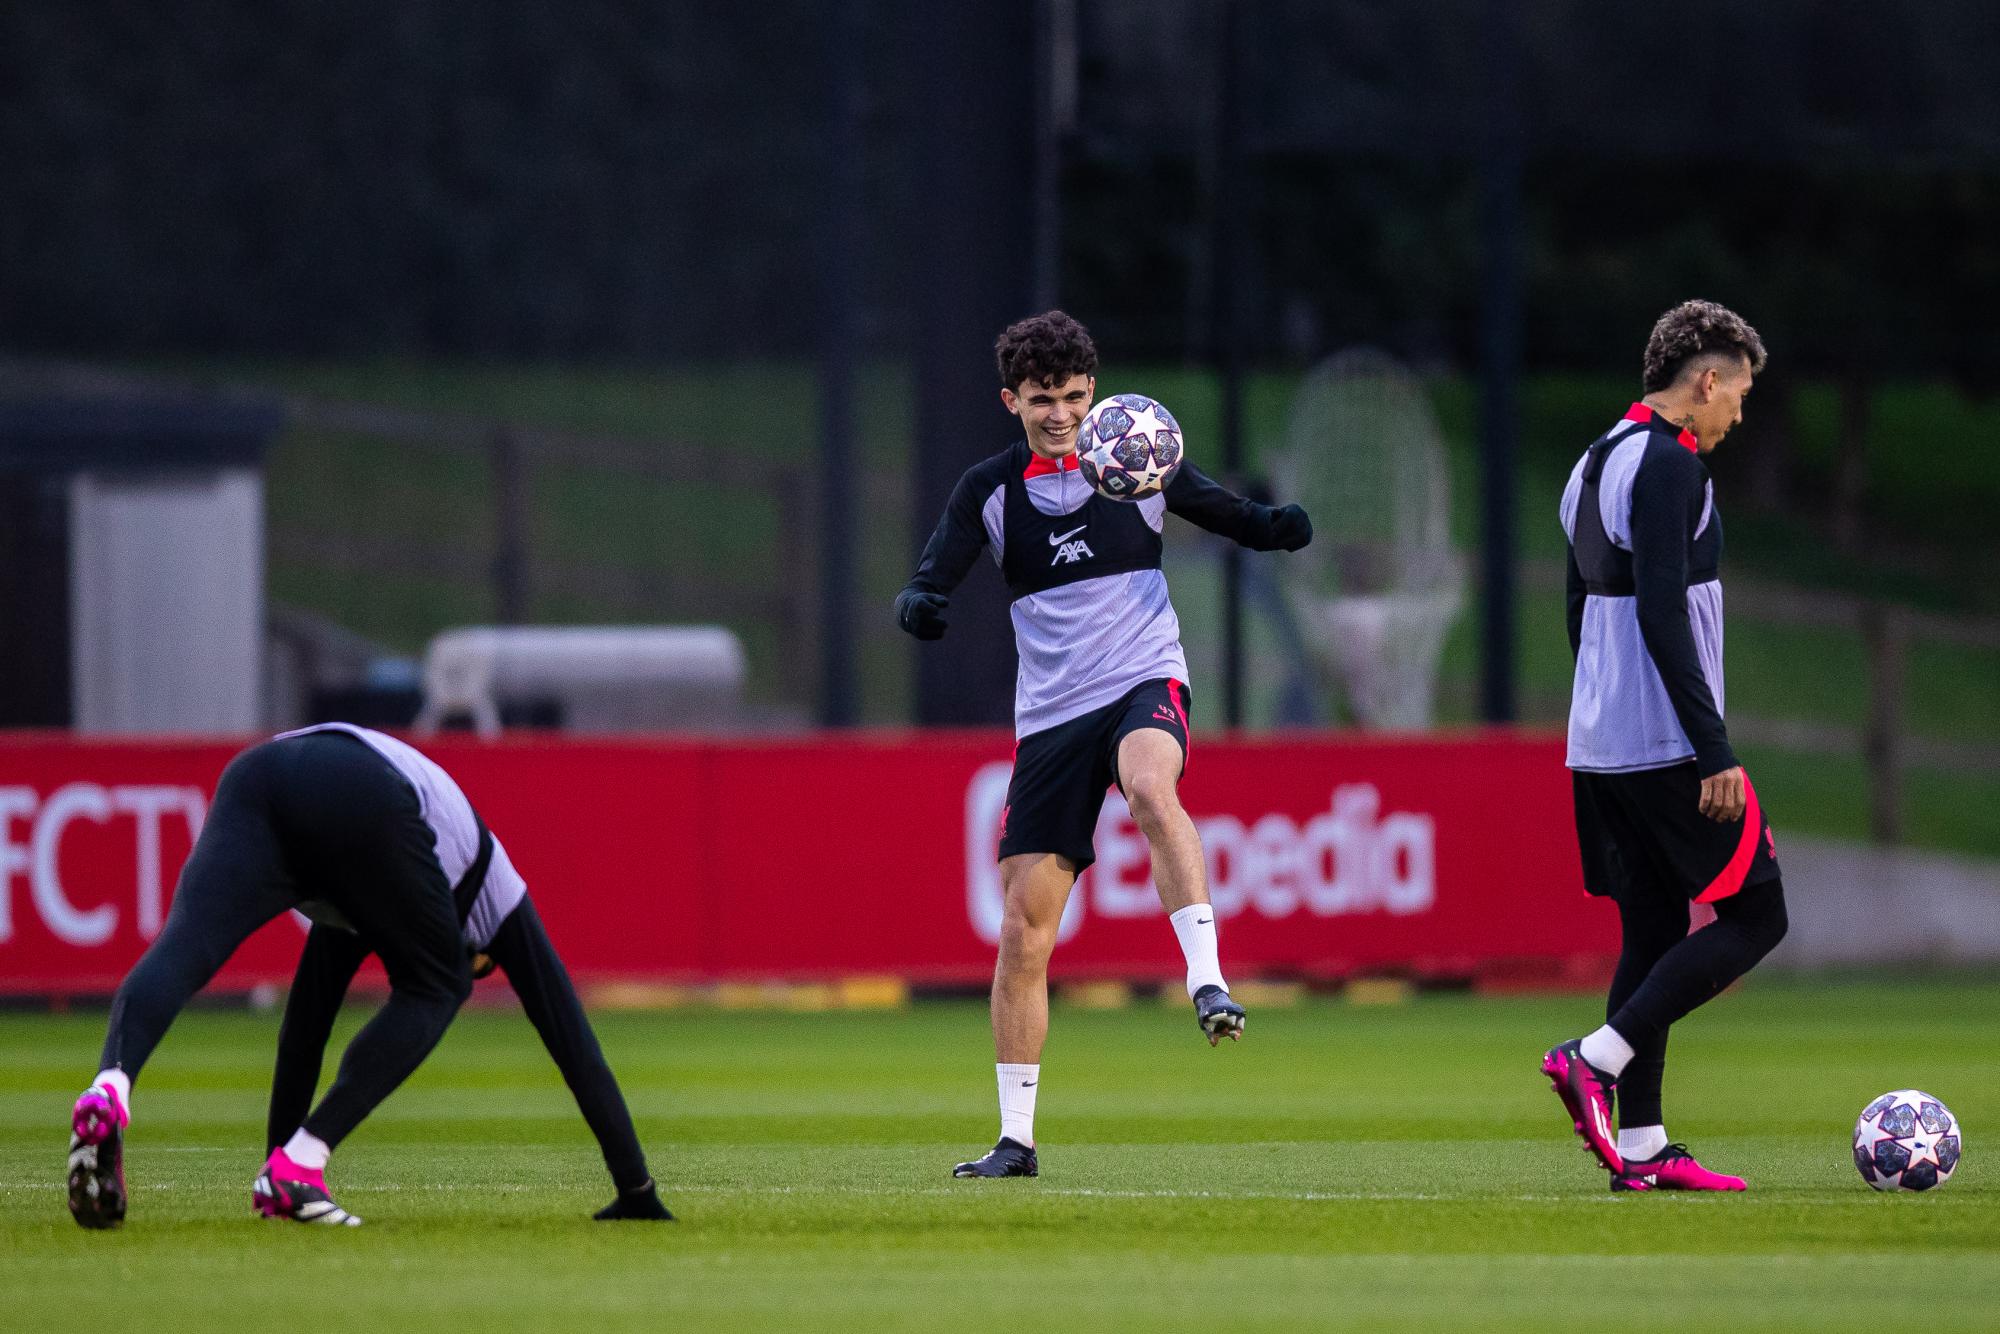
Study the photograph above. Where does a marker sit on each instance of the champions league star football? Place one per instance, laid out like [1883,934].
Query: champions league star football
[1128,447]
[1143,665]
[1907,1140]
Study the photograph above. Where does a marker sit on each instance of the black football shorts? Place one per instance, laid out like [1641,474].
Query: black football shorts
[1643,833]
[1061,773]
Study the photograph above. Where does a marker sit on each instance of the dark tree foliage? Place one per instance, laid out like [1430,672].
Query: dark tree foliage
[514,177]
[629,181]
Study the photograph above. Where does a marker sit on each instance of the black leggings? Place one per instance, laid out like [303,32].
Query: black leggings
[317,817]
[1664,974]
[235,879]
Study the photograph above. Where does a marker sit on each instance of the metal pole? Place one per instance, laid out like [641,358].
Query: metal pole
[1228,332]
[1500,358]
[511,509]
[968,93]
[1055,57]
[1882,631]
[839,332]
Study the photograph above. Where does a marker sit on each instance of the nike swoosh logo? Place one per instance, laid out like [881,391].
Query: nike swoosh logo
[1029,1083]
[1061,538]
[1203,921]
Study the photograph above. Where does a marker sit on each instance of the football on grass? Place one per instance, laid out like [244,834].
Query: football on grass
[1906,1140]
[1129,447]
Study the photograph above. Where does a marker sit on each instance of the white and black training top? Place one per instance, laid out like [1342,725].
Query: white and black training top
[1645,602]
[1090,607]
[454,826]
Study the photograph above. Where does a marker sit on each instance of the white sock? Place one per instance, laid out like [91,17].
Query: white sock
[1608,1051]
[1017,1102]
[1194,927]
[308,1150]
[1639,1143]
[118,1082]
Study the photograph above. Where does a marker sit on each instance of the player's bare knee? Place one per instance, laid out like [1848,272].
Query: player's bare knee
[1155,803]
[1028,932]
[1026,944]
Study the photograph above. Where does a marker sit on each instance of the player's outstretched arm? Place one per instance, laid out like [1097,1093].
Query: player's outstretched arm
[1206,503]
[954,545]
[326,968]
[1667,497]
[522,949]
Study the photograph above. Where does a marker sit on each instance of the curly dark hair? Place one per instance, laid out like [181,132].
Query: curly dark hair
[1048,349]
[1695,329]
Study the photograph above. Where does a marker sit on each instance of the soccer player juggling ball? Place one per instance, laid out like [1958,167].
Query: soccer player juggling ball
[1102,694]
[379,846]
[1664,813]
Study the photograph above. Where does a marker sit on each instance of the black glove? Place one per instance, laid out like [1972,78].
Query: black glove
[1291,528]
[641,1203]
[921,614]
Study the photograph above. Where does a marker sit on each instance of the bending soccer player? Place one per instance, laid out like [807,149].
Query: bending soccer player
[1664,813]
[1102,693]
[378,845]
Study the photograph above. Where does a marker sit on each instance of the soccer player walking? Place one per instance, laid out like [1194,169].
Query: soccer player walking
[1665,815]
[1102,693]
[377,844]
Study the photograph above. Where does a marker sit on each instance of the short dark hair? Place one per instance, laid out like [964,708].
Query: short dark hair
[1048,349]
[1695,329]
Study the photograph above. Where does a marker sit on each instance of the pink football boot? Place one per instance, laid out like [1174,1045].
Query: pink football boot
[1586,1094]
[97,1158]
[286,1190]
[1672,1168]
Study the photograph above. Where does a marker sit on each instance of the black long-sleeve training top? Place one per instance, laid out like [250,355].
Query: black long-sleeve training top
[1091,614]
[1645,602]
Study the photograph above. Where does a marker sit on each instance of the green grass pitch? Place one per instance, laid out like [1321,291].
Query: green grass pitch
[1356,1167]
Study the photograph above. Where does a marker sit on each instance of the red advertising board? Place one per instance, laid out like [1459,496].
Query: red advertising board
[824,857]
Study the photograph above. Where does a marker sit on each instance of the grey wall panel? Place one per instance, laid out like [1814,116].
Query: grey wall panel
[167,587]
[1854,905]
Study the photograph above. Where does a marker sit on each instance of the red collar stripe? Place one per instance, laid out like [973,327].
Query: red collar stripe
[1639,412]
[1038,465]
